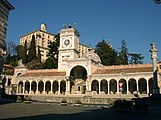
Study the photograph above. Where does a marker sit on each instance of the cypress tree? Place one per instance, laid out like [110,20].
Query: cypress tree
[123,54]
[24,56]
[39,54]
[32,50]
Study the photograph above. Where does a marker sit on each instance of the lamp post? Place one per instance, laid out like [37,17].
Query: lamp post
[154,51]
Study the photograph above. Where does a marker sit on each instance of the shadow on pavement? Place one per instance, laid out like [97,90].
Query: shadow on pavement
[97,114]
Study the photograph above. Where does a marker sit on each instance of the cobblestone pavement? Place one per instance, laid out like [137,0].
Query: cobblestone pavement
[53,111]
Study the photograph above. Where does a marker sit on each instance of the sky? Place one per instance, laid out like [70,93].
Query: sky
[138,22]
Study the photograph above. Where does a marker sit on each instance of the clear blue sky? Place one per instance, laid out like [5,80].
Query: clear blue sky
[138,22]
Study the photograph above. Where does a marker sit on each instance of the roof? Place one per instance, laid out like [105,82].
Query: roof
[37,31]
[124,69]
[36,73]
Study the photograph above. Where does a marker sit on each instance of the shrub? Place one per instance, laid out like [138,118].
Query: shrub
[77,101]
[115,103]
[19,99]
[64,101]
[27,99]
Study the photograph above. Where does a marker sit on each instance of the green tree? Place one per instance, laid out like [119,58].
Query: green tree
[19,50]
[24,54]
[53,54]
[11,60]
[34,65]
[32,50]
[50,63]
[53,47]
[39,55]
[123,54]
[136,58]
[106,53]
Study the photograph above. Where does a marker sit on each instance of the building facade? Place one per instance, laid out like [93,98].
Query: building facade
[5,8]
[84,75]
[42,39]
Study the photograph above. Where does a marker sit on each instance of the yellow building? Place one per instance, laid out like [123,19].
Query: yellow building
[42,40]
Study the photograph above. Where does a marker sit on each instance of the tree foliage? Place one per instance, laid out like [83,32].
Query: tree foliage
[136,58]
[39,55]
[107,55]
[34,65]
[24,52]
[11,48]
[32,50]
[52,61]
[19,50]
[53,47]
[123,54]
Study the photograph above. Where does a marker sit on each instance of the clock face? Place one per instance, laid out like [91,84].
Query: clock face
[66,42]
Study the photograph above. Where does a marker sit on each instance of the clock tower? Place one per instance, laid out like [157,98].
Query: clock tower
[68,49]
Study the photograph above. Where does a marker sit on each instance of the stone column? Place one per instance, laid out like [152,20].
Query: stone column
[30,88]
[17,88]
[51,87]
[99,87]
[58,87]
[147,85]
[127,82]
[44,88]
[154,51]
[23,87]
[108,87]
[117,87]
[137,86]
[67,85]
[37,87]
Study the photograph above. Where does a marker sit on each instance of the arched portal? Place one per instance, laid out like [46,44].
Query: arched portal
[104,86]
[55,87]
[113,86]
[48,86]
[95,86]
[132,86]
[78,72]
[122,86]
[62,87]
[27,87]
[33,87]
[78,76]
[20,87]
[40,86]
[150,86]
[142,86]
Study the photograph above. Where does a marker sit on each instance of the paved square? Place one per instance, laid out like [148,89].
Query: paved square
[53,111]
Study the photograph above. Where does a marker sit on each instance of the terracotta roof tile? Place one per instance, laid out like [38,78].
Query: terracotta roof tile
[123,70]
[34,74]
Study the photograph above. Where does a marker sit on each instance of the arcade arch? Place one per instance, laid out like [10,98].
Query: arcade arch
[78,76]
